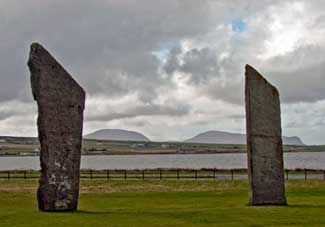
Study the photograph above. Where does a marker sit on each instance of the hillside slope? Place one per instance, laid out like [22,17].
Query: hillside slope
[116,134]
[220,137]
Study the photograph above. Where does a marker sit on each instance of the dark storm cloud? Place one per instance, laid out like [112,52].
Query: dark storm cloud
[106,45]
[200,64]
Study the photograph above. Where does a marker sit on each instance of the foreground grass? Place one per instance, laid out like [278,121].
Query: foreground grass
[165,203]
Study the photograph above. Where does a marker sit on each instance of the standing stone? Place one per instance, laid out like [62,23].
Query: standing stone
[61,103]
[264,140]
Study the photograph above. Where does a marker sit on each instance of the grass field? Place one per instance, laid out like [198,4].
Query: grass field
[165,203]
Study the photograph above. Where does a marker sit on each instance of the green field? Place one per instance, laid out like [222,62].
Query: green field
[165,203]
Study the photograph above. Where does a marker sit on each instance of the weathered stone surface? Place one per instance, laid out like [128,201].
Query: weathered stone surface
[264,142]
[61,104]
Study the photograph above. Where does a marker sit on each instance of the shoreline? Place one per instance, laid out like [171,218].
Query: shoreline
[168,153]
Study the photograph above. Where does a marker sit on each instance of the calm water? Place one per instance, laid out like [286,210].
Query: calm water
[310,160]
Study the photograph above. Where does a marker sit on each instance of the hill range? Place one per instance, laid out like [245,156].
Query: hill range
[209,137]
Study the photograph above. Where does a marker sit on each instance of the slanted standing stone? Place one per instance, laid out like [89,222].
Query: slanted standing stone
[264,140]
[61,103]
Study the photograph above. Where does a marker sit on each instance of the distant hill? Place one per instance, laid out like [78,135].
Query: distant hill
[116,134]
[219,137]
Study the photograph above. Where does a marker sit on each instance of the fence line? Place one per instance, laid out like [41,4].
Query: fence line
[166,174]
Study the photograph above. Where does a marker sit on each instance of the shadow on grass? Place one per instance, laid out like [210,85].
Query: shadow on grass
[92,212]
[305,206]
[75,212]
[287,206]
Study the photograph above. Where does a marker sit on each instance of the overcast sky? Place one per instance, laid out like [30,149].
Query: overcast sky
[169,69]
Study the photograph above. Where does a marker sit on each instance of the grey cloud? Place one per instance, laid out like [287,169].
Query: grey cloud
[4,115]
[174,109]
[201,64]
[172,64]
[230,91]
[15,109]
[214,77]
[108,47]
[139,123]
[97,41]
[299,74]
[237,116]
[301,85]
[303,57]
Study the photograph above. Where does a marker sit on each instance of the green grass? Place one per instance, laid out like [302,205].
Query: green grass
[165,203]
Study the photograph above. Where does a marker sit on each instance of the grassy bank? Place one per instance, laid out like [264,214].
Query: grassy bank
[165,203]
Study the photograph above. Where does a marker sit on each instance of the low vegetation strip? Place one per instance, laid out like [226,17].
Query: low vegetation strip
[165,203]
[23,146]
[166,174]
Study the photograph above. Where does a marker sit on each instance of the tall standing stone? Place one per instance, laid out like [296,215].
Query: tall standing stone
[264,140]
[61,103]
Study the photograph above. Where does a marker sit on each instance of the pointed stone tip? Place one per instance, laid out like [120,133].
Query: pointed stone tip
[35,46]
[248,68]
[252,72]
[37,54]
